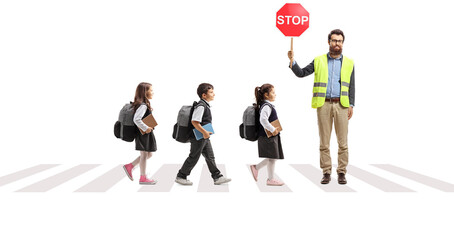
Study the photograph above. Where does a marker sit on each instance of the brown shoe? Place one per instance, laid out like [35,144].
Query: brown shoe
[326,178]
[341,178]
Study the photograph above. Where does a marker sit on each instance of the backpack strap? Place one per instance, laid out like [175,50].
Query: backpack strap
[264,104]
[201,103]
[194,105]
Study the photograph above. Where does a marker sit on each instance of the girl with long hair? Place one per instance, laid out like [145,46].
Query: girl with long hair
[145,143]
[269,148]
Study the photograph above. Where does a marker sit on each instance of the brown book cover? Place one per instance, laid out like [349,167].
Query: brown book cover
[275,124]
[150,122]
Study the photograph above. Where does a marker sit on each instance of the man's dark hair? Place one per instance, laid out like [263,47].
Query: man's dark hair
[337,32]
[203,88]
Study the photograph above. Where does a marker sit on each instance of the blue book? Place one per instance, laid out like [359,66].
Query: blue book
[199,135]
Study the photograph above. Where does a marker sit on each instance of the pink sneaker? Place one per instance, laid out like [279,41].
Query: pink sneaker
[128,170]
[255,172]
[145,181]
[274,182]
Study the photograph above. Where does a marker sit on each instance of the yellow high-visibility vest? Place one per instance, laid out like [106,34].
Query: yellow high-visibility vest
[321,80]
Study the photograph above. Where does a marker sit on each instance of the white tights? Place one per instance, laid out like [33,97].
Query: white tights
[270,163]
[142,161]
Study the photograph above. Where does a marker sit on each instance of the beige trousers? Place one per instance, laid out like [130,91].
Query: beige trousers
[327,114]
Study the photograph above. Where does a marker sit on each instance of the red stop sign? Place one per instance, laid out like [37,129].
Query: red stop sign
[292,19]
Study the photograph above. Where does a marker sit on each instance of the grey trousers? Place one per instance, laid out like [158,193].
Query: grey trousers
[200,147]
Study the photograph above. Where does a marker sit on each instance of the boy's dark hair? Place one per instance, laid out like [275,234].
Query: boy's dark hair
[337,32]
[203,88]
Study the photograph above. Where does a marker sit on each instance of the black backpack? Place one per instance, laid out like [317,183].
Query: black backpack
[125,128]
[182,130]
[249,129]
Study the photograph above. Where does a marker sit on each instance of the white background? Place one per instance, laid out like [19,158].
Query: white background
[67,68]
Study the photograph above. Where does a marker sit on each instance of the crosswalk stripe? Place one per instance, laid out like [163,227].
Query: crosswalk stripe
[425,180]
[206,183]
[166,178]
[376,181]
[314,175]
[25,173]
[58,179]
[261,182]
[105,181]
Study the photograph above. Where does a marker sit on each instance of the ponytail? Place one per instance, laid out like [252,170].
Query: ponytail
[258,97]
[260,93]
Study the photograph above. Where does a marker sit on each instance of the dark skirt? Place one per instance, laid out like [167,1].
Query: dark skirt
[146,142]
[270,147]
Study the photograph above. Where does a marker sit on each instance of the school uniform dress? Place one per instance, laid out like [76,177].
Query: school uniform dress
[202,114]
[146,142]
[269,147]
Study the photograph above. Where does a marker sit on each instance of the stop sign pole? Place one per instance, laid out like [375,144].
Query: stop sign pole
[292,20]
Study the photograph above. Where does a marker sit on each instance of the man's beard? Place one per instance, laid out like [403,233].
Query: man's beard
[333,50]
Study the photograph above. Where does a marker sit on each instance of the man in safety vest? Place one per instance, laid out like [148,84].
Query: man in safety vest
[334,97]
